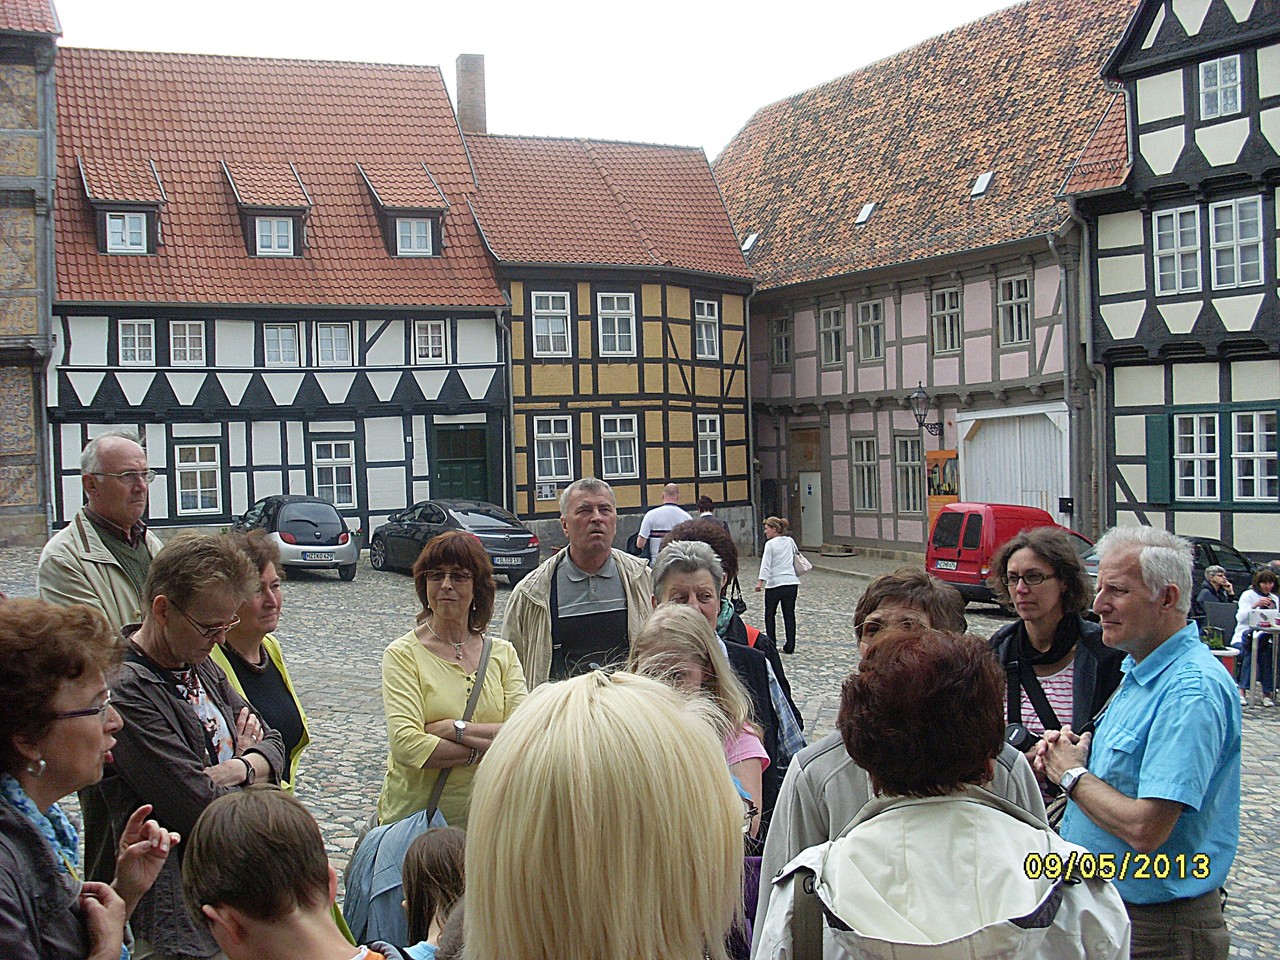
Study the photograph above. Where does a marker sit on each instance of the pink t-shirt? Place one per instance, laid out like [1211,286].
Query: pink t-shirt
[1058,689]
[744,746]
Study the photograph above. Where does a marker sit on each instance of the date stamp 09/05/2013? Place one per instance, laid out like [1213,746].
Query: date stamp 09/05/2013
[1082,865]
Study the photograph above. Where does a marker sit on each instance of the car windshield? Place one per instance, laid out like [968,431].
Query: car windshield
[484,518]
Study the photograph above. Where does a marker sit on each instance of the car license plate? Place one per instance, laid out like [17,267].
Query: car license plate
[944,565]
[316,555]
[507,561]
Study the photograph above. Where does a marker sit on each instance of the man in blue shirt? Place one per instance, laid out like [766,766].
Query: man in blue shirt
[1155,792]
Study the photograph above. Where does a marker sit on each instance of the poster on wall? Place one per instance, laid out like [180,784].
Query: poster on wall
[942,480]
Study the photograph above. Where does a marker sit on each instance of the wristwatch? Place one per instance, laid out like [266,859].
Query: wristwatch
[459,730]
[1071,778]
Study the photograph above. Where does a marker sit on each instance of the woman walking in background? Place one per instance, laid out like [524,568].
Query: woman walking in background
[778,580]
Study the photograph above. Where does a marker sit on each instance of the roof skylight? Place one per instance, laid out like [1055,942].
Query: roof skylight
[865,213]
[750,242]
[980,185]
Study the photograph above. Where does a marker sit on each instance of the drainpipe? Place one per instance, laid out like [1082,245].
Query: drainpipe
[753,482]
[510,451]
[1101,480]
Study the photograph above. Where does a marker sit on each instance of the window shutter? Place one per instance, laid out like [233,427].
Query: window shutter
[1159,459]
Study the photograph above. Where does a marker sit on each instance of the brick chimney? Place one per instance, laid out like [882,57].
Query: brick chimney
[471,115]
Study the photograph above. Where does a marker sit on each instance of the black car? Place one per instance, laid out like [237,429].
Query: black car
[1208,552]
[511,545]
[310,533]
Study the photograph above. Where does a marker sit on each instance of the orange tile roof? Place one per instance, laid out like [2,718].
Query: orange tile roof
[548,200]
[1016,93]
[30,16]
[1105,161]
[189,113]
[404,186]
[131,179]
[259,183]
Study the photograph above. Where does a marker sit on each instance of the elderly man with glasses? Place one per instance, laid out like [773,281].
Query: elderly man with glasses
[188,737]
[102,556]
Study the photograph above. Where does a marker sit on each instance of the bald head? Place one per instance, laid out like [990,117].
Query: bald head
[671,493]
[123,501]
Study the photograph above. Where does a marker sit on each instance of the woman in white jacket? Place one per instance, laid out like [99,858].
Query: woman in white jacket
[1260,596]
[935,866]
[778,580]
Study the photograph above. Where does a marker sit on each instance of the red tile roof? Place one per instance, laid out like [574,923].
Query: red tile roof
[259,183]
[404,186]
[29,16]
[1017,93]
[1105,162]
[131,179]
[190,113]
[547,200]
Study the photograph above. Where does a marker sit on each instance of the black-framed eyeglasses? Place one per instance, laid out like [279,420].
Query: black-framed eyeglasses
[130,477]
[100,712]
[869,628]
[1032,579]
[206,630]
[457,576]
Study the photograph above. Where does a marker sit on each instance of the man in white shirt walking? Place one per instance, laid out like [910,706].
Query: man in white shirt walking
[659,521]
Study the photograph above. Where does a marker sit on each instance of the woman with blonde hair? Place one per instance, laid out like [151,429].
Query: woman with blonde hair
[678,647]
[604,826]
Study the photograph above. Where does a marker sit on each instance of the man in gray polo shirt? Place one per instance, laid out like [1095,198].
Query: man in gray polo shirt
[583,605]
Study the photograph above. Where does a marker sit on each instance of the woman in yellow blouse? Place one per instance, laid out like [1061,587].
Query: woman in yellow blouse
[427,677]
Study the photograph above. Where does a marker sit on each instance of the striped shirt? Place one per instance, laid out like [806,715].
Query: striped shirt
[1057,687]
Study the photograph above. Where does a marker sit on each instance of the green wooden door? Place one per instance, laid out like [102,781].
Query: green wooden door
[461,463]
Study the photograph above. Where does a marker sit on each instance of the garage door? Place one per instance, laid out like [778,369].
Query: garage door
[1016,459]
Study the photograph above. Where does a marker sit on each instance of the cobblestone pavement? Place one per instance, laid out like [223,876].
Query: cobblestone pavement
[334,633]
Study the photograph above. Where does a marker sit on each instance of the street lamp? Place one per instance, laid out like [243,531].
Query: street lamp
[920,410]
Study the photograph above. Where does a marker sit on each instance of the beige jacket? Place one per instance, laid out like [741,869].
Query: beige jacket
[527,623]
[76,567]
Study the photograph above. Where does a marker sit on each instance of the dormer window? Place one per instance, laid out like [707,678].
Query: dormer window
[126,233]
[275,236]
[413,237]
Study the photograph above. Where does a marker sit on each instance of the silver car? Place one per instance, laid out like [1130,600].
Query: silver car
[310,533]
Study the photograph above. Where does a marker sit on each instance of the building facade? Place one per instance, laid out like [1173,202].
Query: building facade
[1178,191]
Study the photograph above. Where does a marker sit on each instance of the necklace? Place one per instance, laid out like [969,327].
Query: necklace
[457,647]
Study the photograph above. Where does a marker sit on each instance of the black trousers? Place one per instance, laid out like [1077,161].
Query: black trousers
[785,595]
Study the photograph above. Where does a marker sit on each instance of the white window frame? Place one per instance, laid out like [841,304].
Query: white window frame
[122,240]
[871,331]
[550,434]
[137,343]
[865,455]
[1254,456]
[1182,258]
[414,237]
[278,236]
[1013,310]
[710,461]
[616,320]
[946,320]
[186,343]
[281,360]
[909,467]
[430,341]
[1236,253]
[325,331]
[548,316]
[619,443]
[333,471]
[831,336]
[1195,463]
[781,342]
[204,471]
[1213,91]
[706,325]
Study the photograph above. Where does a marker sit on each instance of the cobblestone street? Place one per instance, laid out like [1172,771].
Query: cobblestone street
[333,635]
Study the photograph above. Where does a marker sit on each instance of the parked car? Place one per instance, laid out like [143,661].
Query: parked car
[511,545]
[966,536]
[1208,551]
[310,532]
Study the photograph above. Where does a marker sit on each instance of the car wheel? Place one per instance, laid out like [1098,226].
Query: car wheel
[347,571]
[377,554]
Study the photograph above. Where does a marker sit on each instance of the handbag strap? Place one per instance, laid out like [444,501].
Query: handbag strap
[806,924]
[443,777]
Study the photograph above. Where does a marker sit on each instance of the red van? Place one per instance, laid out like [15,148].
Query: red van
[966,536]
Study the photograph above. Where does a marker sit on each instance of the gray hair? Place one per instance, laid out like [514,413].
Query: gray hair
[1165,558]
[685,556]
[89,460]
[1211,570]
[586,485]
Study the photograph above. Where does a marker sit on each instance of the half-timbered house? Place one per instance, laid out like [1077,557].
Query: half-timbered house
[270,269]
[1178,192]
[902,225]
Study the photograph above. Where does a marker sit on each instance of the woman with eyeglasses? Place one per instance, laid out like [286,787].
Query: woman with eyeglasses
[428,676]
[188,736]
[1058,670]
[57,729]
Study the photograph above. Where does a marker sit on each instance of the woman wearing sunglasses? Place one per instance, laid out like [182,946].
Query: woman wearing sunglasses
[1057,669]
[57,729]
[427,680]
